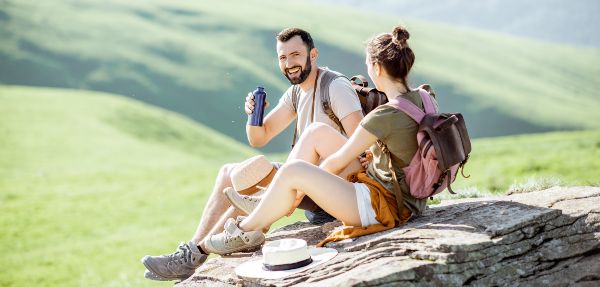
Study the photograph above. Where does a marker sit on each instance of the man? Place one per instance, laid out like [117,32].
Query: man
[298,63]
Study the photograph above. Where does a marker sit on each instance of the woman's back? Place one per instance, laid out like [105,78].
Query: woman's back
[398,132]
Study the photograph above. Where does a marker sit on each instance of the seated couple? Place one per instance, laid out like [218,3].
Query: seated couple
[324,165]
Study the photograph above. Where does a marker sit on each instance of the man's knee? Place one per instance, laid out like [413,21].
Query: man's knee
[226,169]
[317,128]
[223,178]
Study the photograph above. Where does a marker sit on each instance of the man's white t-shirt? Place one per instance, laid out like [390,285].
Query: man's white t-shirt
[342,97]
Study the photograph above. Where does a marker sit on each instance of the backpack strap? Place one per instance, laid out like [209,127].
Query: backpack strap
[363,81]
[417,115]
[326,79]
[295,94]
[411,109]
[397,190]
[427,102]
[408,108]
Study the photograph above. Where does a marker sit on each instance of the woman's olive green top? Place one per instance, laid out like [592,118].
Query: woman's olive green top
[399,132]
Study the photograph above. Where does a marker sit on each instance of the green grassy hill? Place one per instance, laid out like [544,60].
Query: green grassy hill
[504,163]
[90,182]
[200,60]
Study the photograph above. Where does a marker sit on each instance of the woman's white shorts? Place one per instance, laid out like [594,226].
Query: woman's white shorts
[365,210]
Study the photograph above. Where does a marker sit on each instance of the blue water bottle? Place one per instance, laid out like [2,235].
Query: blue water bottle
[256,119]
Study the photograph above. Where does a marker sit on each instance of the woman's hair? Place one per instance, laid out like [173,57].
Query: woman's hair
[393,53]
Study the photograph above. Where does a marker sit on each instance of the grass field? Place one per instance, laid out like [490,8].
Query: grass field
[91,182]
[201,60]
[530,162]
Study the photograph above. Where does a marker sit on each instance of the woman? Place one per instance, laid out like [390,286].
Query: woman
[366,203]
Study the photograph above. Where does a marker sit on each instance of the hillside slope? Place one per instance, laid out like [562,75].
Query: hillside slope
[90,182]
[201,60]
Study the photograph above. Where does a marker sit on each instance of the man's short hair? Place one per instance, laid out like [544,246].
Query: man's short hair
[288,33]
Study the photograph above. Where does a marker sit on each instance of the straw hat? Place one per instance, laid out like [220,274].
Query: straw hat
[284,257]
[253,172]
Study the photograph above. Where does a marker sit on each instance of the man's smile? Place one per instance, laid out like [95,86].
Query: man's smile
[293,72]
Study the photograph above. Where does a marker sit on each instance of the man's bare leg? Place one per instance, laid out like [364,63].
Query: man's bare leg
[318,142]
[216,212]
[231,212]
[216,209]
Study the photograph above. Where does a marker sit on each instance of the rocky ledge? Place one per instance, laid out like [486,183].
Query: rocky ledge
[548,237]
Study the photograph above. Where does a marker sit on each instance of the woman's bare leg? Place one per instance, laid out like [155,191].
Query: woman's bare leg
[332,193]
[317,143]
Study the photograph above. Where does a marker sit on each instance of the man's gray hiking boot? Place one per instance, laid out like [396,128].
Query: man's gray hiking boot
[150,275]
[243,203]
[233,239]
[178,265]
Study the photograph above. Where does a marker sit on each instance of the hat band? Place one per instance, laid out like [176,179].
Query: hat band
[288,266]
[263,182]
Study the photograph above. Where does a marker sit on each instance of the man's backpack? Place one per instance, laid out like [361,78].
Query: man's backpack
[443,148]
[369,98]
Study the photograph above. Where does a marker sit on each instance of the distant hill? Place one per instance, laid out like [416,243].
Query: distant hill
[201,60]
[568,22]
[72,131]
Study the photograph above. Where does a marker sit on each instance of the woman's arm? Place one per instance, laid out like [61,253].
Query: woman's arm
[357,144]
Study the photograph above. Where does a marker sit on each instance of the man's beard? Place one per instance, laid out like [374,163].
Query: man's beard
[303,73]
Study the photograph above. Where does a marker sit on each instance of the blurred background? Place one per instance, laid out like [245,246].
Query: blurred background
[115,116]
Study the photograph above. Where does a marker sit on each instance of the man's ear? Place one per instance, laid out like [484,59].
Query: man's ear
[314,53]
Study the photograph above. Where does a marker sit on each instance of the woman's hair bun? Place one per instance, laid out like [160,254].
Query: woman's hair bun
[400,35]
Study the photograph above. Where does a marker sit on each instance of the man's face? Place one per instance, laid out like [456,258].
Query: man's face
[294,60]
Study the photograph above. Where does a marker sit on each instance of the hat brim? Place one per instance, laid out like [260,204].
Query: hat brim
[254,268]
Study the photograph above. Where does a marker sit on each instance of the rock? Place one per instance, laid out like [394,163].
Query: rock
[549,237]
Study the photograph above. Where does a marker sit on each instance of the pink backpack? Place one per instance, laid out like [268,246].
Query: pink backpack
[443,148]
